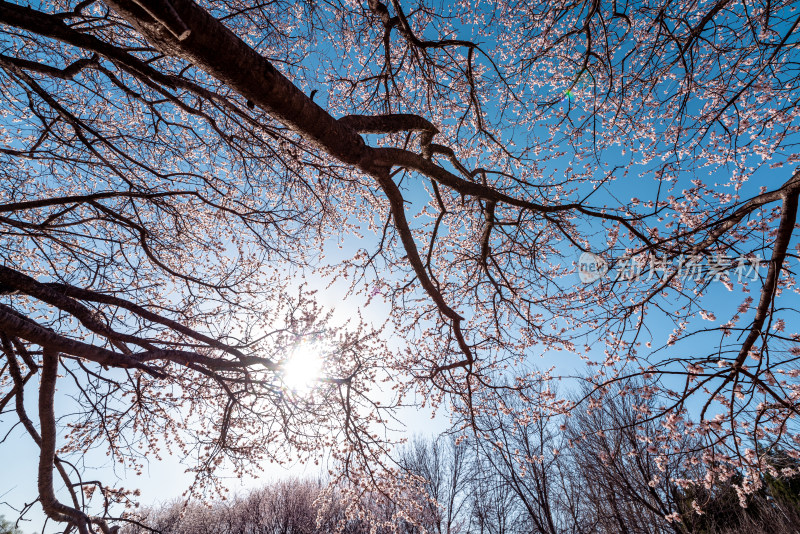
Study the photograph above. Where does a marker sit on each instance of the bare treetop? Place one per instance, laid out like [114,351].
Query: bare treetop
[169,166]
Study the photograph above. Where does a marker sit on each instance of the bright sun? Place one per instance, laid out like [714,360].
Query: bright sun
[302,368]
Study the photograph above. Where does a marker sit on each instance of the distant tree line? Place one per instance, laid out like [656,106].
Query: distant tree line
[595,473]
[189,187]
[7,527]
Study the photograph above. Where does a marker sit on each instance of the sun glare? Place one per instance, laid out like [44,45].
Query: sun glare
[303,367]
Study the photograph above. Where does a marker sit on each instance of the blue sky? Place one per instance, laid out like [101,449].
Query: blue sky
[166,480]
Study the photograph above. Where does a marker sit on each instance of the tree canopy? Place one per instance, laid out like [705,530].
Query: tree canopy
[170,168]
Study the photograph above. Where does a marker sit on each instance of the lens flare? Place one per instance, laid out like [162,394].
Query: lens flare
[302,368]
